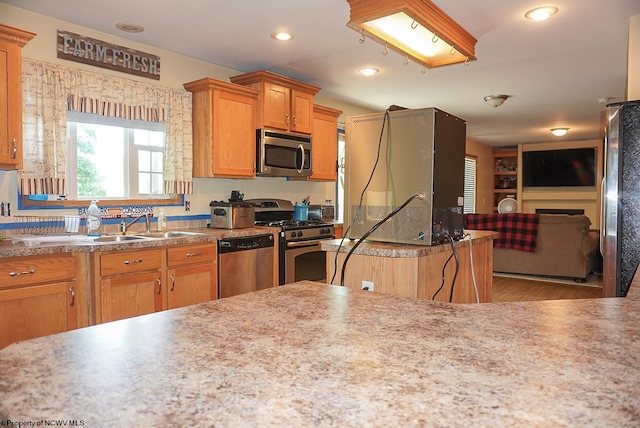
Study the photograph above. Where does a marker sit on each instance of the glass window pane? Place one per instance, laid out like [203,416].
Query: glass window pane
[156,139]
[157,186]
[100,161]
[141,137]
[144,183]
[156,161]
[106,157]
[144,160]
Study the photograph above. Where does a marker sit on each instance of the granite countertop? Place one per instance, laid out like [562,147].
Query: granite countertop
[204,234]
[310,354]
[383,249]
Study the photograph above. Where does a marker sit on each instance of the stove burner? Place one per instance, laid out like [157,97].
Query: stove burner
[291,224]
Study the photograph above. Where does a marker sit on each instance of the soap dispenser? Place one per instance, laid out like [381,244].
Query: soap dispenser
[162,221]
[93,218]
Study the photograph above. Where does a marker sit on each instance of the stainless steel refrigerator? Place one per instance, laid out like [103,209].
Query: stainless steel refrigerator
[620,228]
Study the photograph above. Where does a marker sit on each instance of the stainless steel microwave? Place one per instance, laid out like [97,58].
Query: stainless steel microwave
[283,154]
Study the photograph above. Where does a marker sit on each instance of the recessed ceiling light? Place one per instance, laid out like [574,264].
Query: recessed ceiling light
[129,27]
[541,13]
[559,132]
[368,71]
[282,36]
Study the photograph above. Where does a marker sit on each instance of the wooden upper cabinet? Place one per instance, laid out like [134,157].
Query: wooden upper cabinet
[325,143]
[11,42]
[224,129]
[283,103]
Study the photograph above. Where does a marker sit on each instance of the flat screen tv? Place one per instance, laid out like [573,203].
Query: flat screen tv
[559,168]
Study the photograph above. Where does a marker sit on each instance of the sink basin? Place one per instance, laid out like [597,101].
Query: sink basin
[118,238]
[168,234]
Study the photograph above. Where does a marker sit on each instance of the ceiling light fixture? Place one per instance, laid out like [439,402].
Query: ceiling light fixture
[417,29]
[541,13]
[128,27]
[559,132]
[495,100]
[282,36]
[368,71]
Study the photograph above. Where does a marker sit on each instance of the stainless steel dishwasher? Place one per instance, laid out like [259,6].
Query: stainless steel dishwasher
[245,264]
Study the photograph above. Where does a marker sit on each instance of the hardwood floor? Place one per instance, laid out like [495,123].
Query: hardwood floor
[506,289]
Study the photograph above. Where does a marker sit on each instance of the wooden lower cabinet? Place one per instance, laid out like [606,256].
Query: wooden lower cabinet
[130,295]
[139,282]
[192,275]
[42,295]
[128,283]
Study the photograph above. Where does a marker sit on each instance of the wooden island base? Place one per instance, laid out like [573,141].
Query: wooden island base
[417,271]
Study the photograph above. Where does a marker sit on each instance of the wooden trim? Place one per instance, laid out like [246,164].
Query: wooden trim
[15,35]
[27,203]
[319,109]
[267,76]
[209,84]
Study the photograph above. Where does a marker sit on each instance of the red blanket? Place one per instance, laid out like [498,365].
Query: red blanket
[517,231]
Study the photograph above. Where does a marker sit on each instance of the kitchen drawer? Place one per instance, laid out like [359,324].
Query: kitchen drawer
[177,256]
[130,261]
[29,270]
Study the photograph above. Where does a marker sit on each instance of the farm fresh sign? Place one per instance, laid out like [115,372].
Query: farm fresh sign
[107,55]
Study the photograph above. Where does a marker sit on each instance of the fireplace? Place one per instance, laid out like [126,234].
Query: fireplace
[559,211]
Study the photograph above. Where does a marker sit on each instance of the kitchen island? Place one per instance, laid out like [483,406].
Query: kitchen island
[310,354]
[418,271]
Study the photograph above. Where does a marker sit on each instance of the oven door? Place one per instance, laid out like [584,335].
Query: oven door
[302,260]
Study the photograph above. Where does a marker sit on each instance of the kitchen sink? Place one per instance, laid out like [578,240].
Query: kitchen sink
[118,238]
[168,234]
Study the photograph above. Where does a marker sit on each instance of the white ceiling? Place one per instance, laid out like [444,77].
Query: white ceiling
[554,71]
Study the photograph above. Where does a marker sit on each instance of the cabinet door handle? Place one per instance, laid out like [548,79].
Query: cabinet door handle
[173,282]
[196,254]
[29,272]
[159,285]
[131,262]
[15,148]
[254,166]
[295,121]
[73,296]
[286,119]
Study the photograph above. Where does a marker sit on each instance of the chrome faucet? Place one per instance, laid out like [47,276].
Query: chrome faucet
[124,226]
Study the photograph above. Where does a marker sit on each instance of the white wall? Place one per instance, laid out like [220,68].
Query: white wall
[175,70]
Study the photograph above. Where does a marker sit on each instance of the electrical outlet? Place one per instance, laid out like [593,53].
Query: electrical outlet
[367,285]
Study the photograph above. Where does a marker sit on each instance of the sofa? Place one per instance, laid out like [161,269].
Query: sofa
[565,247]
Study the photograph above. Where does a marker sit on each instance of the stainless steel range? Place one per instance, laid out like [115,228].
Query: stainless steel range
[299,254]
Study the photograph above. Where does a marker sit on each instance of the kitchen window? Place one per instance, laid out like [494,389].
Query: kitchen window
[113,158]
[69,156]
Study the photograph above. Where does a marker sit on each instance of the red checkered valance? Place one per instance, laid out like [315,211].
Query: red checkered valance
[517,231]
